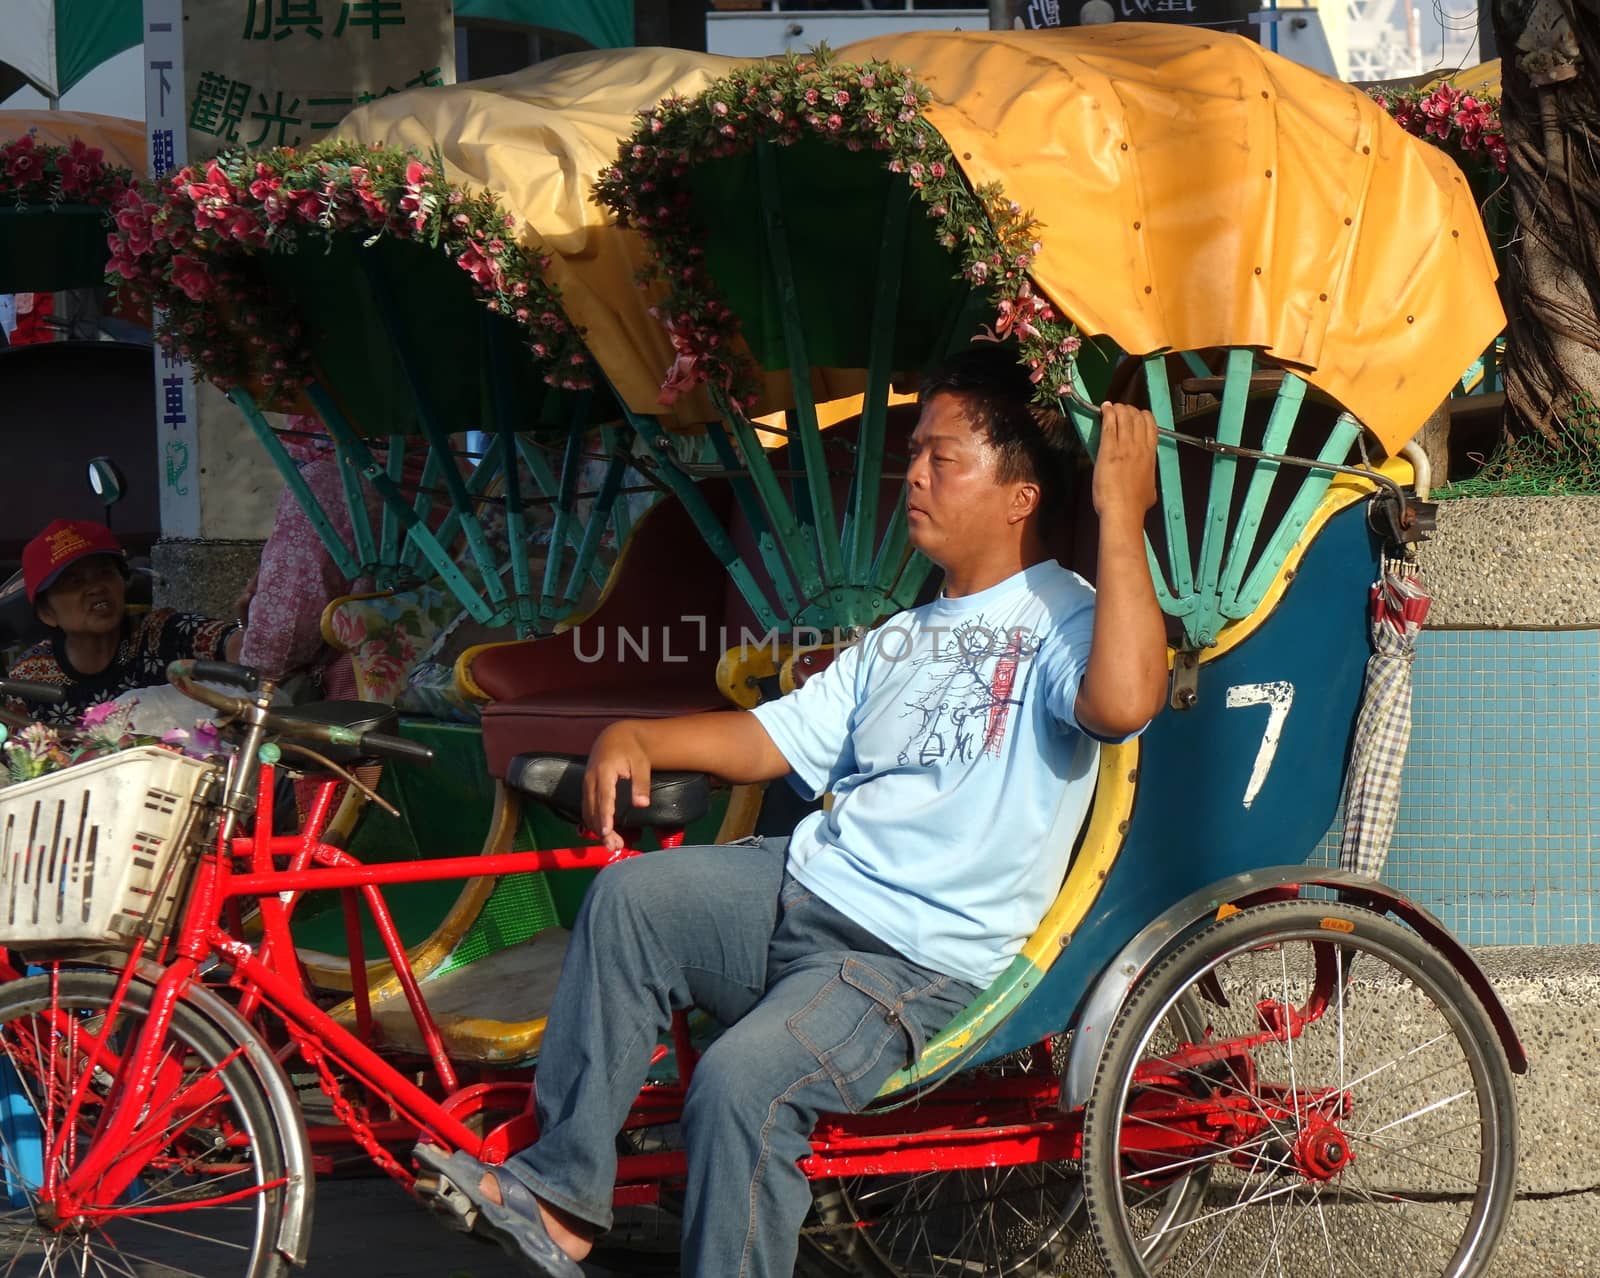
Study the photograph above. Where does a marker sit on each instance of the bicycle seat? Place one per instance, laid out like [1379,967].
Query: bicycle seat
[556,780]
[358,716]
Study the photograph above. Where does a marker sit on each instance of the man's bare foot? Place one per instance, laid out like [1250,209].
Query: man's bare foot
[574,1237]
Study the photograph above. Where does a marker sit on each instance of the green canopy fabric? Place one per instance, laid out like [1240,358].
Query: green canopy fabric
[605,24]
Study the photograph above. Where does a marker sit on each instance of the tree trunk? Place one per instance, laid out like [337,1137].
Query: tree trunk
[1550,110]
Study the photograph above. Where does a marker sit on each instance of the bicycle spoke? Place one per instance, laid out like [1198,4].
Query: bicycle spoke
[1274,1067]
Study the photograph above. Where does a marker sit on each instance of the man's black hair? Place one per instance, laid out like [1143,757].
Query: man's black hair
[1031,443]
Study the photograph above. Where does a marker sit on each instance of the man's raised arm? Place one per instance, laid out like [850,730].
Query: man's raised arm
[1125,681]
[728,744]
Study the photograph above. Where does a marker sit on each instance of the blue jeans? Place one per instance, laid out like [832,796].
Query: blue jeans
[820,1013]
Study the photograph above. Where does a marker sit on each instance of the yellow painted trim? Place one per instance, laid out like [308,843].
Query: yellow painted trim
[472,1038]
[786,679]
[1115,787]
[829,413]
[738,669]
[462,671]
[325,622]
[1102,841]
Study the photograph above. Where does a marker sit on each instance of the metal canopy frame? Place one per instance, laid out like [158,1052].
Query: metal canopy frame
[488,574]
[1238,559]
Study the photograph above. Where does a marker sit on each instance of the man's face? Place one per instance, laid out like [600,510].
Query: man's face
[88,598]
[954,503]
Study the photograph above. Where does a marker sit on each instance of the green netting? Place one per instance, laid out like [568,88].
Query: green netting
[1538,467]
[520,907]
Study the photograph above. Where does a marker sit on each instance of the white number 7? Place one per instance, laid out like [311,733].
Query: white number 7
[1277,697]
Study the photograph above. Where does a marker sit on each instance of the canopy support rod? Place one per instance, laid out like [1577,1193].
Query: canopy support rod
[1295,519]
[862,529]
[605,501]
[341,554]
[389,551]
[360,525]
[571,463]
[427,417]
[1280,426]
[825,525]
[704,519]
[912,578]
[1177,527]
[487,471]
[1219,496]
[522,605]
[523,610]
[348,439]
[779,515]
[744,492]
[1085,418]
[612,439]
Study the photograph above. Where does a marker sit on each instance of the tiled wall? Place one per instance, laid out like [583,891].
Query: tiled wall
[1499,814]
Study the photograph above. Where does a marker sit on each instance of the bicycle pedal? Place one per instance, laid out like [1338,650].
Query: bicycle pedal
[444,1200]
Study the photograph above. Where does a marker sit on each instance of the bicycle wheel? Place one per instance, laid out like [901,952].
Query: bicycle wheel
[989,1221]
[1346,1096]
[211,1186]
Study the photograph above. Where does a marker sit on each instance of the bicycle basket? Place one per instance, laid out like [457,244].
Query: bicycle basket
[89,854]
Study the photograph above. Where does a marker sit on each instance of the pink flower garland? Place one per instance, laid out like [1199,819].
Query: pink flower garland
[190,248]
[874,106]
[34,172]
[1467,127]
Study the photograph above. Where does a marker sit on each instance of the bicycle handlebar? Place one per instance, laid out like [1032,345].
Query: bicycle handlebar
[380,745]
[46,694]
[181,674]
[225,672]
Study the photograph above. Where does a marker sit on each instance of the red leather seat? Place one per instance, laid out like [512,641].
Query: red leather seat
[643,653]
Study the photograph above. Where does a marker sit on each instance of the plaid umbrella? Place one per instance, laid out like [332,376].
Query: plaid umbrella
[1383,728]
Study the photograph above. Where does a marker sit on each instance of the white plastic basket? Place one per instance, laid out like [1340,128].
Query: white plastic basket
[87,854]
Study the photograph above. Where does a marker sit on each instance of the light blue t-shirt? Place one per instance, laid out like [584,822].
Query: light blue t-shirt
[959,774]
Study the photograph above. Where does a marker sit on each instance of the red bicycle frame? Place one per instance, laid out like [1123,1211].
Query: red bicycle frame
[968,1123]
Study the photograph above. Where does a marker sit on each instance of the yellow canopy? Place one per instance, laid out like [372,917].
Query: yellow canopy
[1197,190]
[538,138]
[122,141]
[1482,79]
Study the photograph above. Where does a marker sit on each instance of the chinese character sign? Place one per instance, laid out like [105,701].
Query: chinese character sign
[176,425]
[266,73]
[1034,15]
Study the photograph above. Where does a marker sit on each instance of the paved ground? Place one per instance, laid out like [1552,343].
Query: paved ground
[367,1229]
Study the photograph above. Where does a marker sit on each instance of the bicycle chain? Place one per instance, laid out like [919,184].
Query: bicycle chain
[344,1111]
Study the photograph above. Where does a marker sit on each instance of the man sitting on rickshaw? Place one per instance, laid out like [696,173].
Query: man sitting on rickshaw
[960,743]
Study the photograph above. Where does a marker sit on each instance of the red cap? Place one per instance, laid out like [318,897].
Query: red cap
[62,543]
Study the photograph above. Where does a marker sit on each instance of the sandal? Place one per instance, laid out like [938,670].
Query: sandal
[514,1223]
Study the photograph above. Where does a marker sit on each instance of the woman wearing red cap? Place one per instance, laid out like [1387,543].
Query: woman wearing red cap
[76,573]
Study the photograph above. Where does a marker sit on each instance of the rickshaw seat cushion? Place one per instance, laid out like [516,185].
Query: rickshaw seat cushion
[567,722]
[556,780]
[358,716]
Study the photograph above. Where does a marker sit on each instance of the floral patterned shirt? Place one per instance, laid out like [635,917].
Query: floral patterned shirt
[298,579]
[149,642]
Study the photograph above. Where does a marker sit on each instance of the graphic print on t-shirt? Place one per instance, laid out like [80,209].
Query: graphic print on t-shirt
[964,692]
